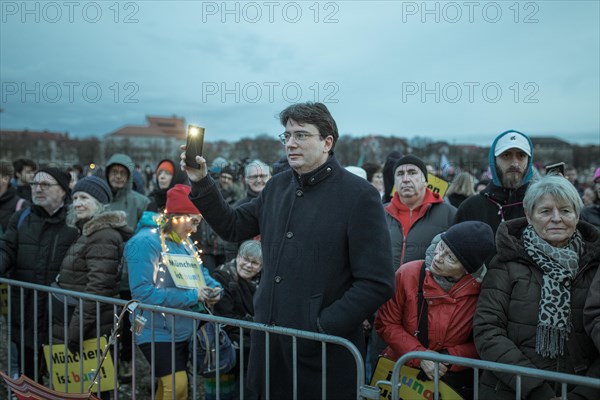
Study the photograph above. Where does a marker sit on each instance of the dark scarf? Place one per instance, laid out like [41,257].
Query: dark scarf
[560,266]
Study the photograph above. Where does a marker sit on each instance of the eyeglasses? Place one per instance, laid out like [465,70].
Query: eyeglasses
[444,253]
[255,177]
[254,263]
[42,185]
[298,136]
[195,221]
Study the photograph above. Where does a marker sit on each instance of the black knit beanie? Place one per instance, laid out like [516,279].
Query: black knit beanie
[95,187]
[410,159]
[62,177]
[472,242]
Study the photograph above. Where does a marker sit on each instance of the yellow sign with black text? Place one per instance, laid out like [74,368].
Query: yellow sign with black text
[185,271]
[90,357]
[3,299]
[411,388]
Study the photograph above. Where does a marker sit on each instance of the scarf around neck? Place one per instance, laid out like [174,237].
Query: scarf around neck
[559,266]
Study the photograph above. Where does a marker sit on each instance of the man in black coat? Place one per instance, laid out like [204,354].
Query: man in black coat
[32,249]
[327,262]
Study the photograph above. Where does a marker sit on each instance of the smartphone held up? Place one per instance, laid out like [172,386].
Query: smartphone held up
[194,143]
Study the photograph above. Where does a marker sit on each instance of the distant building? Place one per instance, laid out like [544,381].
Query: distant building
[150,143]
[47,148]
[549,150]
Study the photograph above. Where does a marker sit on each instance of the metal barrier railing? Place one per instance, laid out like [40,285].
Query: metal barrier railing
[477,365]
[117,304]
[362,390]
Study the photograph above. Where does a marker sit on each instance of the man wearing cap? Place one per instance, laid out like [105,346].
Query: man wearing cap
[32,249]
[326,258]
[510,162]
[414,216]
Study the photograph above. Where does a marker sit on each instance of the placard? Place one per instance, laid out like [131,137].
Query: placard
[411,388]
[184,270]
[91,358]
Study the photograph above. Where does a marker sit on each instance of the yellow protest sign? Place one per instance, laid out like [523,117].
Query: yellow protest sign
[437,185]
[90,358]
[184,270]
[411,388]
[4,298]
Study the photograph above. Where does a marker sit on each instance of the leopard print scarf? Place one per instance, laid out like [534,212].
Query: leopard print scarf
[560,266]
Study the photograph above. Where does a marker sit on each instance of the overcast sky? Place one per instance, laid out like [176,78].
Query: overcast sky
[456,71]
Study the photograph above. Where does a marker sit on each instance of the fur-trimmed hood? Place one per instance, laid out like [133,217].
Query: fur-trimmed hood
[108,219]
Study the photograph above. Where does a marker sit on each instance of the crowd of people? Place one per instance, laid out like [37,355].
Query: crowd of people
[502,267]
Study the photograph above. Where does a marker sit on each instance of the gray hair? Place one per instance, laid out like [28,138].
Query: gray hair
[555,186]
[251,249]
[261,166]
[71,218]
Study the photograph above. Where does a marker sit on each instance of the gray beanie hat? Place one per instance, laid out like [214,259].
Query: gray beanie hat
[95,187]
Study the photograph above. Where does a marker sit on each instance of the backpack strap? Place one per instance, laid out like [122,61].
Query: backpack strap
[422,311]
[19,204]
[22,217]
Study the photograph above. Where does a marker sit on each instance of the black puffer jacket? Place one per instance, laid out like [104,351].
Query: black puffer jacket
[591,214]
[93,266]
[507,313]
[9,202]
[33,253]
[493,205]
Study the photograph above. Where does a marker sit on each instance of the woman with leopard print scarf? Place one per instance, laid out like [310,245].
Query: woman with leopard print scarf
[530,310]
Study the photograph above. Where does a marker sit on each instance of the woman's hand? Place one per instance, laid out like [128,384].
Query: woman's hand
[429,368]
[210,296]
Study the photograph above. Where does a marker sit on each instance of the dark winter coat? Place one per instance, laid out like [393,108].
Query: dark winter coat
[591,214]
[327,266]
[591,312]
[507,314]
[237,300]
[436,219]
[34,253]
[493,205]
[9,202]
[93,266]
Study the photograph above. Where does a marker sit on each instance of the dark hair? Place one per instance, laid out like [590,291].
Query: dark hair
[22,163]
[316,114]
[6,169]
[372,169]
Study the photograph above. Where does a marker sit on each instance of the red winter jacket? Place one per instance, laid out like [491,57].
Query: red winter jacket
[450,316]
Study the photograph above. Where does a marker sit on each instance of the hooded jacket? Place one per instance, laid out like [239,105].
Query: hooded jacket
[506,318]
[93,266]
[126,199]
[158,197]
[495,203]
[151,283]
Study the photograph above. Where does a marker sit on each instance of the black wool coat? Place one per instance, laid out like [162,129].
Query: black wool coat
[326,258]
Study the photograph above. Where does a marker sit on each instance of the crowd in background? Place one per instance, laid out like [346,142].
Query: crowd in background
[73,227]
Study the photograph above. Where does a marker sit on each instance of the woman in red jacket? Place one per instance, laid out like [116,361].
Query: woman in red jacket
[433,306]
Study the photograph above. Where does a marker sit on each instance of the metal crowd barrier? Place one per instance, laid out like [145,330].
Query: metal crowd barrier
[150,312]
[477,365]
[363,391]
